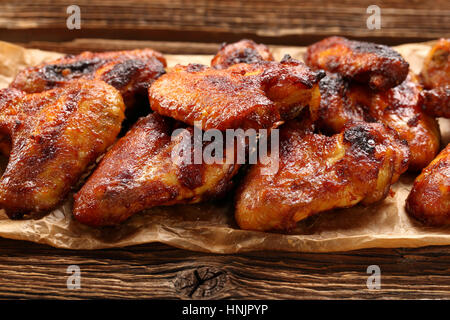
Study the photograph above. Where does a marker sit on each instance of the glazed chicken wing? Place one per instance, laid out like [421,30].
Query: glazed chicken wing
[259,95]
[55,135]
[377,65]
[142,171]
[435,77]
[436,66]
[429,200]
[319,173]
[400,108]
[244,51]
[130,72]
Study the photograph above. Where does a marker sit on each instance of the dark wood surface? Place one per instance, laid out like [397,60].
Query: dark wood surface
[158,271]
[29,270]
[293,22]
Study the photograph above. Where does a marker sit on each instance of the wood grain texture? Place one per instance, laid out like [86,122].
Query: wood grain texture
[289,22]
[79,45]
[159,271]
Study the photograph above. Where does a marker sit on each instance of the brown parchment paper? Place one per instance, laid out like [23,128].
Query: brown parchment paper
[210,227]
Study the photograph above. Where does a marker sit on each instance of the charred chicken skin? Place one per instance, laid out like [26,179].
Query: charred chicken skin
[55,135]
[319,173]
[259,95]
[400,108]
[377,65]
[244,51]
[130,72]
[429,199]
[436,80]
[140,172]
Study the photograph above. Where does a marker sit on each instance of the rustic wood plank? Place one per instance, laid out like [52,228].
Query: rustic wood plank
[289,22]
[79,45]
[157,271]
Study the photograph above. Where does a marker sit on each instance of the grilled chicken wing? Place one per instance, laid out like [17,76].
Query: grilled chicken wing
[259,95]
[244,51]
[55,135]
[436,66]
[378,65]
[140,171]
[318,173]
[435,77]
[429,200]
[400,108]
[130,72]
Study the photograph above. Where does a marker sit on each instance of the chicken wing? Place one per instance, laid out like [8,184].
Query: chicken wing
[429,199]
[400,108]
[435,77]
[436,66]
[318,173]
[377,65]
[55,135]
[130,72]
[259,95]
[142,171]
[244,51]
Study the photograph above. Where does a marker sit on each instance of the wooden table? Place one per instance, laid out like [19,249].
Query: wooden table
[157,271]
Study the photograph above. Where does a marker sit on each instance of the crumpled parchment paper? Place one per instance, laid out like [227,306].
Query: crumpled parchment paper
[210,227]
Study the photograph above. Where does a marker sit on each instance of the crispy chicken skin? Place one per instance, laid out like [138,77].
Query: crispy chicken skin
[377,65]
[259,95]
[244,51]
[400,108]
[55,135]
[319,173]
[139,173]
[130,72]
[435,77]
[429,199]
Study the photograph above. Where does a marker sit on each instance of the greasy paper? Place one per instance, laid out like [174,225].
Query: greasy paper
[210,226]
